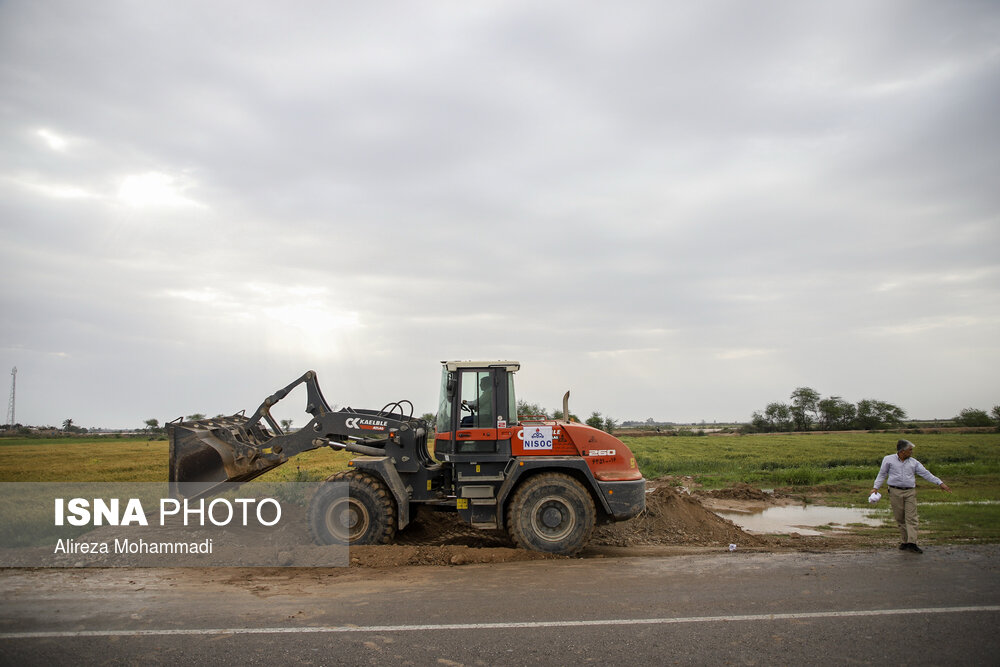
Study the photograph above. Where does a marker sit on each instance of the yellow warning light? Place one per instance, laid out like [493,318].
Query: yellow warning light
[610,492]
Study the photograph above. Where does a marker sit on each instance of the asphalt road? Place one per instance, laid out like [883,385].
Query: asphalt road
[787,608]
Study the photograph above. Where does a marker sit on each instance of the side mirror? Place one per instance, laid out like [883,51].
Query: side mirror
[450,386]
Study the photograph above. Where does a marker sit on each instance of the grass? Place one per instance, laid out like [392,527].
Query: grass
[840,468]
[85,460]
[957,524]
[137,460]
[847,460]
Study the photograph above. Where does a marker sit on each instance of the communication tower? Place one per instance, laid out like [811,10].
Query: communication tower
[10,405]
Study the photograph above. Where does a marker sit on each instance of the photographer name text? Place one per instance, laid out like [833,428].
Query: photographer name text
[127,546]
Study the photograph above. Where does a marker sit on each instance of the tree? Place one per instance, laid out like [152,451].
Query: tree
[67,425]
[995,412]
[152,424]
[596,420]
[974,417]
[196,417]
[830,413]
[778,416]
[804,407]
[525,409]
[286,425]
[610,424]
[836,414]
[878,414]
[759,423]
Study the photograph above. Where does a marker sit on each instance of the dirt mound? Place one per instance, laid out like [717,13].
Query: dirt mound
[670,518]
[441,538]
[431,528]
[739,491]
[676,519]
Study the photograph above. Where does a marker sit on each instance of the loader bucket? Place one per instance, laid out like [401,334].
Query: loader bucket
[208,453]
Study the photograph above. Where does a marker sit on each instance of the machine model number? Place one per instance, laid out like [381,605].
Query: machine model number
[600,452]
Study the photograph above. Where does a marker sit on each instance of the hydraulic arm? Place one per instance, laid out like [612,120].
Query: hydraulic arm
[211,452]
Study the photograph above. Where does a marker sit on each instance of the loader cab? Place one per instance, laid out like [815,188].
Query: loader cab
[477,410]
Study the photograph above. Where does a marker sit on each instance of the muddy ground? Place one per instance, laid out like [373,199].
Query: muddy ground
[677,519]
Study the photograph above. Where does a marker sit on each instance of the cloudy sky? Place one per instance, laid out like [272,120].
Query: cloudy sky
[681,211]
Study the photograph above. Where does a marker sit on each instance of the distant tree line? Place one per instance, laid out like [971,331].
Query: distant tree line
[808,410]
[69,427]
[976,417]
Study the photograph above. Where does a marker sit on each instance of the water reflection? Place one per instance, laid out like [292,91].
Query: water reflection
[803,519]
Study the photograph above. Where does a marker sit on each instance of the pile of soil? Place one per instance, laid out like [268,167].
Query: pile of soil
[739,491]
[672,518]
[432,528]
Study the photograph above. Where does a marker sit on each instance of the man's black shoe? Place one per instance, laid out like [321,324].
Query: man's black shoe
[915,549]
[905,546]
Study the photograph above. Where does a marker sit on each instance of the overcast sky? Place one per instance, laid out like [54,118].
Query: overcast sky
[681,211]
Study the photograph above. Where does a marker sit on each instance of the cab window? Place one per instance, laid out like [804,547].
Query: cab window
[477,400]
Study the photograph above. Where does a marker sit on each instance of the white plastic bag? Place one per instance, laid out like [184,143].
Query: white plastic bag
[875,497]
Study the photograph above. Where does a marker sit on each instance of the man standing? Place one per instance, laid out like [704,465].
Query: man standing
[900,468]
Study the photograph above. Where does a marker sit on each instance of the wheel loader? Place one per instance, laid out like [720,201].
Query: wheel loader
[547,483]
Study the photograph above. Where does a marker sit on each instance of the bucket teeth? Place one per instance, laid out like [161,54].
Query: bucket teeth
[211,452]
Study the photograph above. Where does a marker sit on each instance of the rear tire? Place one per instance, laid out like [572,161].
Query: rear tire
[365,515]
[551,512]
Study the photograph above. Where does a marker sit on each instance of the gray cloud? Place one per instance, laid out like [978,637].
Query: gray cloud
[676,211]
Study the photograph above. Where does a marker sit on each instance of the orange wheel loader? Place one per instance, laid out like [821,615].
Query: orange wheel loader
[547,483]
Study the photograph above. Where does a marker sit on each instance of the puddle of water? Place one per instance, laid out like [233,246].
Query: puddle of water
[801,519]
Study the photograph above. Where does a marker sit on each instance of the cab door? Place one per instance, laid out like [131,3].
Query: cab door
[480,428]
[477,410]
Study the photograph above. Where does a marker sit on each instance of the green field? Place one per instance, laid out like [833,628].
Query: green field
[839,461]
[129,460]
[828,468]
[840,468]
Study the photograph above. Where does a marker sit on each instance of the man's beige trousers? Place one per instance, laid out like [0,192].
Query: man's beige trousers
[904,509]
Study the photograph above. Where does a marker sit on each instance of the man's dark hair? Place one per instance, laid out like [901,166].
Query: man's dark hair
[903,444]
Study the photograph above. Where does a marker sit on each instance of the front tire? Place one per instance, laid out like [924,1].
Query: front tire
[365,514]
[552,513]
